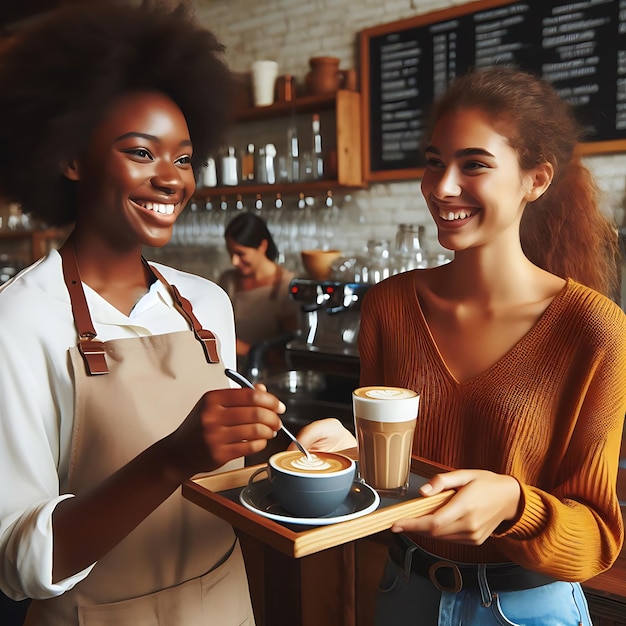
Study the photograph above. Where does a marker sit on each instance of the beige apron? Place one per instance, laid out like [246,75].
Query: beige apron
[181,566]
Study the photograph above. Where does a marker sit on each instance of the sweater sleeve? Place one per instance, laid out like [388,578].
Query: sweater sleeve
[575,531]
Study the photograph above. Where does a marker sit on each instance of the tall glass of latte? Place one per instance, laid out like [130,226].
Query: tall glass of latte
[384,420]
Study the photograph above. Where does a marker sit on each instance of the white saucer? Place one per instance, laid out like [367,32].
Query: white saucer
[361,500]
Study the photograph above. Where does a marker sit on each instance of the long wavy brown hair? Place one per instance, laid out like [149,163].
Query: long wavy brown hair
[565,231]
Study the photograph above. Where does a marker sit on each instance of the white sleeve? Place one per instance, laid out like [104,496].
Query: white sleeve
[30,419]
[27,570]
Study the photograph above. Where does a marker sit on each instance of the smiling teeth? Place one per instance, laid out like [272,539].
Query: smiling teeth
[450,216]
[166,209]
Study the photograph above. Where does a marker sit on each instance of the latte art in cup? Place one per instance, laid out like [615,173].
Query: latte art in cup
[384,421]
[385,393]
[297,462]
[308,487]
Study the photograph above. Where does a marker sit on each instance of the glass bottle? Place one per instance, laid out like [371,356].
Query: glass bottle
[293,155]
[258,205]
[224,216]
[275,217]
[327,217]
[191,225]
[307,223]
[229,168]
[316,149]
[270,163]
[208,176]
[247,164]
[239,205]
[206,223]
[260,166]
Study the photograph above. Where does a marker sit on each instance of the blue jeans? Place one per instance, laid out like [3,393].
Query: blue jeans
[414,601]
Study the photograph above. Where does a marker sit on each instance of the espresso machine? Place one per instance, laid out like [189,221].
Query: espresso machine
[326,341]
[329,320]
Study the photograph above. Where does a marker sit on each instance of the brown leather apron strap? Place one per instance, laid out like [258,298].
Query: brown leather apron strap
[204,336]
[91,349]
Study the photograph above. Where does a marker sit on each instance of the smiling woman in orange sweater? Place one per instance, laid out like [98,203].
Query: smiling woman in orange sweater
[520,362]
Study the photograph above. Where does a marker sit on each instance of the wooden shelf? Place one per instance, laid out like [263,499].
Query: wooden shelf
[304,104]
[349,175]
[286,189]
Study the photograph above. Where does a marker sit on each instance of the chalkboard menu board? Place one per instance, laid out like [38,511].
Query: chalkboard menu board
[579,46]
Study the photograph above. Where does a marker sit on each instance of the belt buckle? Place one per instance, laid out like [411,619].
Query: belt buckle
[456,572]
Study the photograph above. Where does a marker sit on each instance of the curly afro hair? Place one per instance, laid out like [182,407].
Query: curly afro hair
[61,74]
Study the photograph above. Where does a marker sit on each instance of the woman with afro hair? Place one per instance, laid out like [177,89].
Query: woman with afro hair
[113,390]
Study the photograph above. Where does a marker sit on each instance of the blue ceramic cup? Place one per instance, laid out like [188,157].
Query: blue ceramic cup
[309,489]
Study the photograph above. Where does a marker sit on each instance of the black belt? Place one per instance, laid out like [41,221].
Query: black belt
[453,576]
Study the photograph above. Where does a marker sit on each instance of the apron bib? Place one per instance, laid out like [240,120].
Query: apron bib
[181,566]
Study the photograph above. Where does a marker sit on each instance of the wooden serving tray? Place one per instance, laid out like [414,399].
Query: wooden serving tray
[219,494]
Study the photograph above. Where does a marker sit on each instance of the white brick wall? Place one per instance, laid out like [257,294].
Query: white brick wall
[292,31]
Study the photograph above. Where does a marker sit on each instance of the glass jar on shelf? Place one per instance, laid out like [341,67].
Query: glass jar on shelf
[410,252]
[376,265]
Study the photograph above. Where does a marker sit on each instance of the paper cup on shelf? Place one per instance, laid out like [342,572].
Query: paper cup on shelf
[264,75]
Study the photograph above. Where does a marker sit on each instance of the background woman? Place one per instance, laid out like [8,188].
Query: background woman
[113,390]
[520,363]
[258,286]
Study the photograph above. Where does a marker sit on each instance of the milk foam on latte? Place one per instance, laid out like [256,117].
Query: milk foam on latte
[313,463]
[321,463]
[387,393]
[385,404]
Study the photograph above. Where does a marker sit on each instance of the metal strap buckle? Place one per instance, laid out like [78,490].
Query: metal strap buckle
[94,356]
[456,572]
[209,343]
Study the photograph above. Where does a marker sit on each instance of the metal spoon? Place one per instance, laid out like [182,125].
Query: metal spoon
[244,382]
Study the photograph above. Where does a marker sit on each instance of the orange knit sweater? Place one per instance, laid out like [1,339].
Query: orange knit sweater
[550,413]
